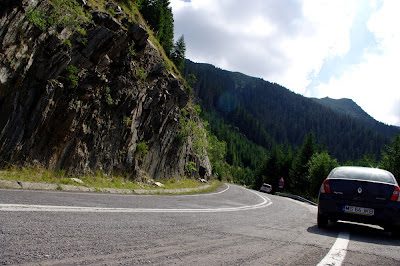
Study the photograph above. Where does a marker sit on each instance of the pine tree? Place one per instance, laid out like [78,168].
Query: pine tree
[391,158]
[319,167]
[299,171]
[178,53]
[159,16]
[272,168]
[166,26]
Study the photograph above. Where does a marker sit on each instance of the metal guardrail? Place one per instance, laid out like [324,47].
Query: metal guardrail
[296,198]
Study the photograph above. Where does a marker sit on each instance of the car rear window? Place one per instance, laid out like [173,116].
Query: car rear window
[363,173]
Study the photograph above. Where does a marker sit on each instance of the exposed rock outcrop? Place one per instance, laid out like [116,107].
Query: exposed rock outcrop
[83,102]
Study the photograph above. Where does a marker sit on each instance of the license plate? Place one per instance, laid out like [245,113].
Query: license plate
[358,210]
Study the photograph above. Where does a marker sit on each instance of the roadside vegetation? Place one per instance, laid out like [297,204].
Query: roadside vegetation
[305,169]
[64,13]
[100,180]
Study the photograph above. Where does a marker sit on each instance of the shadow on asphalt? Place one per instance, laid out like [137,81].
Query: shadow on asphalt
[358,232]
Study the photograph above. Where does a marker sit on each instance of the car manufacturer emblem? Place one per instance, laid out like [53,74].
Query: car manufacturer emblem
[359,190]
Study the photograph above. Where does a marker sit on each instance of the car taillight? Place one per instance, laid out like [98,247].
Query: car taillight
[325,189]
[395,195]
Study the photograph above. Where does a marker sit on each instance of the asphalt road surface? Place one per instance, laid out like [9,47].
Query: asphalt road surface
[232,226]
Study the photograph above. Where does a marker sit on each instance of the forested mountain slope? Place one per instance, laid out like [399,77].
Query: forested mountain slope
[269,114]
[350,108]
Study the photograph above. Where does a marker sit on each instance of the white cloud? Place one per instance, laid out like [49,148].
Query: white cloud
[280,41]
[324,33]
[374,82]
[287,42]
[376,94]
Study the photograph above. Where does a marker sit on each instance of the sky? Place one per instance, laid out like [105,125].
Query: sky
[316,48]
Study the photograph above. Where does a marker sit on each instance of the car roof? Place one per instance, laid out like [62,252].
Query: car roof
[362,173]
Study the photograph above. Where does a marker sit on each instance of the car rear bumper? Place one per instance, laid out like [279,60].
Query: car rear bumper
[385,215]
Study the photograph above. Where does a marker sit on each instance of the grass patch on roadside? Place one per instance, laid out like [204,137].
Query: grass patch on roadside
[214,184]
[176,183]
[35,175]
[99,180]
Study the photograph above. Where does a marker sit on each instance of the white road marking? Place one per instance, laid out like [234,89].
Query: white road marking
[47,208]
[121,195]
[338,251]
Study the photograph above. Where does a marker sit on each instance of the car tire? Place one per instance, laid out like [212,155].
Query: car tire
[395,232]
[322,221]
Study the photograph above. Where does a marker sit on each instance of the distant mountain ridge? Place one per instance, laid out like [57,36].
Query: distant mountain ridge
[269,114]
[344,106]
[350,108]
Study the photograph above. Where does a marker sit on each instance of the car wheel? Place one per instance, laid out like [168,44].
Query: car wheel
[322,221]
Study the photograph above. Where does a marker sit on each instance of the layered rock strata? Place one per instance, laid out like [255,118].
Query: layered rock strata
[102,100]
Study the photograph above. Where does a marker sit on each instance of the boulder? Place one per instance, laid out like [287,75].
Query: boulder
[106,20]
[77,180]
[138,34]
[179,92]
[159,184]
[116,8]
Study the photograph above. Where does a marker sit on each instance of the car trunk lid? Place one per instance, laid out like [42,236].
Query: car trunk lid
[358,190]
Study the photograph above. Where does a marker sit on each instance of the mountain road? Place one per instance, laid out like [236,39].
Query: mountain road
[231,226]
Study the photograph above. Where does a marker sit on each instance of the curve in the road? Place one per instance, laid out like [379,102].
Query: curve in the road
[48,208]
[335,256]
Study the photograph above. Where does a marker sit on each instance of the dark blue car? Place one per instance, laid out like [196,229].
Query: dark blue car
[360,194]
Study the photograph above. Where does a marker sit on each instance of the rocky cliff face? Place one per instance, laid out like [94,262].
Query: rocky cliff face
[87,96]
